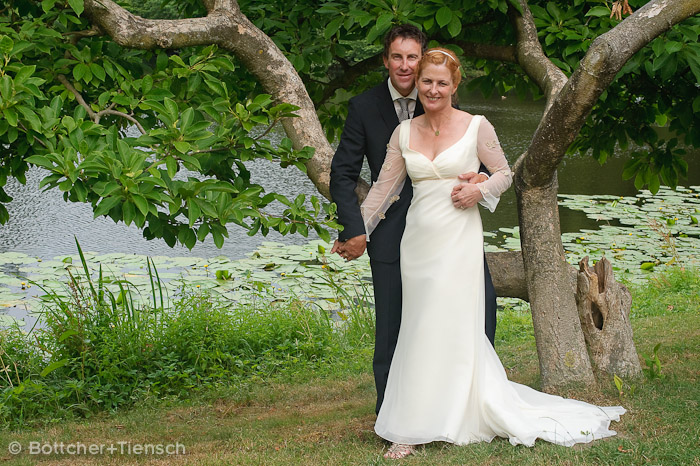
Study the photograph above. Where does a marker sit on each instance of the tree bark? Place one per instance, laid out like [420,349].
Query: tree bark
[560,342]
[561,346]
[604,308]
[508,274]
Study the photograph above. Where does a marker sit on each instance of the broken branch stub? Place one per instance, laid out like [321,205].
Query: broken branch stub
[604,308]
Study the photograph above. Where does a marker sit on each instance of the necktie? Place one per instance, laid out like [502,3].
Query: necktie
[403,113]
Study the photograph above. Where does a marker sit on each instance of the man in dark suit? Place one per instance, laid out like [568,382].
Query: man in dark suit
[372,118]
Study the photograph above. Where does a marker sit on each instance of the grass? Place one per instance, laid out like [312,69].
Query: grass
[322,412]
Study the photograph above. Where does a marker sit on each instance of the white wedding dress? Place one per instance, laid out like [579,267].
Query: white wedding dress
[446,382]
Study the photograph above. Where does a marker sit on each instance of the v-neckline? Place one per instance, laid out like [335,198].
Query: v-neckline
[408,145]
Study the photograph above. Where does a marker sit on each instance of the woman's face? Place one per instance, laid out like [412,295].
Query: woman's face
[435,87]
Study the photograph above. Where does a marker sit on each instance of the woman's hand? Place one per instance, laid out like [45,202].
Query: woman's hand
[466,195]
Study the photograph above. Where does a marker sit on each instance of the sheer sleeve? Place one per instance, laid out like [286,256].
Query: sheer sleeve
[385,191]
[491,155]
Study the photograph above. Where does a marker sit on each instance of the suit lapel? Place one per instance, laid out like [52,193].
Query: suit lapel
[386,108]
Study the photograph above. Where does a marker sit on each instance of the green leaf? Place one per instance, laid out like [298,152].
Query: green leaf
[647,266]
[97,71]
[443,16]
[171,108]
[147,83]
[598,11]
[555,11]
[654,184]
[106,205]
[455,26]
[65,185]
[128,212]
[6,87]
[31,117]
[6,45]
[186,119]
[673,47]
[333,27]
[54,365]
[383,23]
[171,165]
[67,333]
[24,73]
[40,161]
[182,146]
[80,71]
[141,203]
[11,116]
[77,6]
[46,5]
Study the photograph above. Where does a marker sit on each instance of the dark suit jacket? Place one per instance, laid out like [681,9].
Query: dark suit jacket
[370,122]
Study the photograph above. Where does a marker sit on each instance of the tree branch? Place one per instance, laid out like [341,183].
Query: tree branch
[530,56]
[604,59]
[77,95]
[77,35]
[95,117]
[24,128]
[109,111]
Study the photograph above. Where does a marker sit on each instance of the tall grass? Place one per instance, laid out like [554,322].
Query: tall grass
[98,350]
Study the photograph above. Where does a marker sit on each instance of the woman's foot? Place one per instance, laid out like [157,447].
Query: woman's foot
[399,450]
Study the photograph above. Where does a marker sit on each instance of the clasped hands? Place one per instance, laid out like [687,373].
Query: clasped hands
[464,196]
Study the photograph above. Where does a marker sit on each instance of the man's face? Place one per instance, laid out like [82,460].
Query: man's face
[404,55]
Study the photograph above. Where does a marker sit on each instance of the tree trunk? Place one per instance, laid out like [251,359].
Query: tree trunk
[560,342]
[508,274]
[604,308]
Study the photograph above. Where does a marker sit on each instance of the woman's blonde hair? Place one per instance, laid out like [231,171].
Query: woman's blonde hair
[441,56]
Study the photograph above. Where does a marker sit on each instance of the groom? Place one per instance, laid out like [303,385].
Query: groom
[372,118]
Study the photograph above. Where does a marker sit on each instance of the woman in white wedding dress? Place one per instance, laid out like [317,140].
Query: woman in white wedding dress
[446,382]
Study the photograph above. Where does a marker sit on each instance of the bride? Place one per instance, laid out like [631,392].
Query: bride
[446,382]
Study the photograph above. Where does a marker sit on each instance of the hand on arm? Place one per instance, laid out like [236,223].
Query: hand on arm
[466,195]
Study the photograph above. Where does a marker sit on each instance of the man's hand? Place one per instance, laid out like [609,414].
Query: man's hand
[473,178]
[352,248]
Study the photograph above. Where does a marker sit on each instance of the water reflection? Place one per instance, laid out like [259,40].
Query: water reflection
[42,224]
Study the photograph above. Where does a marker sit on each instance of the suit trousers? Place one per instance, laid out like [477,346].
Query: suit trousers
[386,277]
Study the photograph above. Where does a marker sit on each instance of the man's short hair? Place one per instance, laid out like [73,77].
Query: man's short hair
[405,31]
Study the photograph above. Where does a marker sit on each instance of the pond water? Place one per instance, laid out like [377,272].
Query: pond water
[43,225]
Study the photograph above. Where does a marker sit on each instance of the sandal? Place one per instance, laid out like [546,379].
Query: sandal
[399,450]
